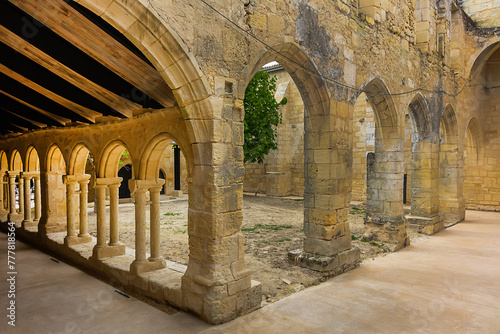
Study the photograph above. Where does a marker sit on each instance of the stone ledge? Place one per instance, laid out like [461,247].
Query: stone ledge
[426,225]
[330,265]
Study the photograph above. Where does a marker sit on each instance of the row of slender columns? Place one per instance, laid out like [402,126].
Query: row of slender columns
[3,211]
[72,219]
[140,188]
[114,247]
[28,219]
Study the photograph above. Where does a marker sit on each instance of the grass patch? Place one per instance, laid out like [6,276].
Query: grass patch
[180,231]
[353,237]
[266,227]
[171,214]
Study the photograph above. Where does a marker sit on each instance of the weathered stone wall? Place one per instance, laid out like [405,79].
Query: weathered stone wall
[485,12]
[334,50]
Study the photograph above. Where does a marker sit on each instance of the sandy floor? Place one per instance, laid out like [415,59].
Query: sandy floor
[272,227]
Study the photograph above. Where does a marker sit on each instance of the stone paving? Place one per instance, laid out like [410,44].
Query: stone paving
[447,283]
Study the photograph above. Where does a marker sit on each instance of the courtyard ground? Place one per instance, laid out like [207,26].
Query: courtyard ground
[447,283]
[271,226]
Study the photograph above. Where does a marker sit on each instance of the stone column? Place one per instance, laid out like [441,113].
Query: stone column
[384,219]
[3,197]
[139,189]
[101,216]
[328,183]
[28,219]
[217,284]
[27,197]
[20,186]
[70,182]
[425,214]
[38,198]
[113,213]
[83,235]
[155,224]
[13,216]
[451,198]
[114,248]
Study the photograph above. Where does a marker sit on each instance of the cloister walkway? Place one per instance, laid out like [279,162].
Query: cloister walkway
[448,283]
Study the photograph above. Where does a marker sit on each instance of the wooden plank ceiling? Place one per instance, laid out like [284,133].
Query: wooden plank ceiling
[74,68]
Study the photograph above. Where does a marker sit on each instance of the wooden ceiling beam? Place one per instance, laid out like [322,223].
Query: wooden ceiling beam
[118,103]
[61,120]
[68,23]
[74,107]
[35,123]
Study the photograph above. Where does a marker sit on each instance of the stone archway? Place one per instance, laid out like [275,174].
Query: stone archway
[425,170]
[327,162]
[384,214]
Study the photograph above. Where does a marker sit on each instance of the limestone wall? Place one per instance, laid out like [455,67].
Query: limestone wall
[486,13]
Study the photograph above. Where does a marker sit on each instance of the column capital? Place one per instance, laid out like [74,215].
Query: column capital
[75,178]
[29,175]
[13,174]
[106,181]
[145,185]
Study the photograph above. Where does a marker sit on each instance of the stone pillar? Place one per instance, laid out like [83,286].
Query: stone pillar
[20,187]
[384,219]
[28,221]
[3,197]
[13,215]
[38,198]
[139,189]
[425,214]
[84,192]
[217,285]
[328,183]
[113,213]
[451,198]
[70,210]
[73,205]
[53,203]
[114,248]
[155,224]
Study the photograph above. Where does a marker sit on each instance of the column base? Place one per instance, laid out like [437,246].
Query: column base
[17,218]
[391,234]
[332,265]
[426,225]
[139,267]
[29,223]
[101,252]
[177,193]
[4,216]
[52,225]
[77,240]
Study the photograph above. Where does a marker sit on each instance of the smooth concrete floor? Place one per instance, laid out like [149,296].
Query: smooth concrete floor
[448,283]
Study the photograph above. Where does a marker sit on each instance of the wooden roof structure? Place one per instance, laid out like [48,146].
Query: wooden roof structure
[61,65]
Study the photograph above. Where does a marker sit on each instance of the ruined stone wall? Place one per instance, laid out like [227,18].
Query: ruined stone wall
[486,13]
